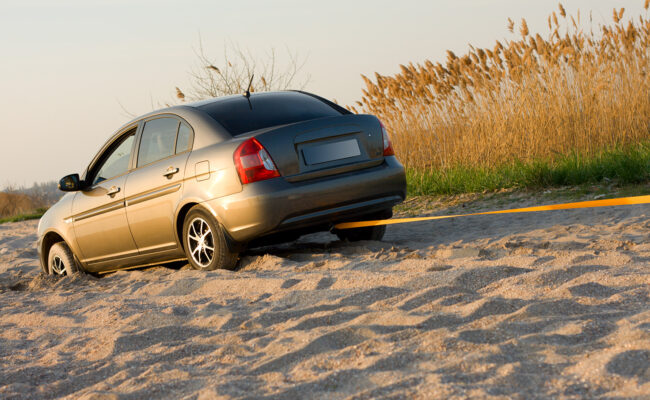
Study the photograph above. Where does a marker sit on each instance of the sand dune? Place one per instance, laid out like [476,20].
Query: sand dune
[544,305]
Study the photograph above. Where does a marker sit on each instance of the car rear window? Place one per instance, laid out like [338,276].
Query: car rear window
[266,110]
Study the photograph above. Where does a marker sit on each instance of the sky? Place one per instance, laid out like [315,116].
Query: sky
[71,71]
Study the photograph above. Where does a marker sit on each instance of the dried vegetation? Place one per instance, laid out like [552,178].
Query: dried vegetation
[13,204]
[577,90]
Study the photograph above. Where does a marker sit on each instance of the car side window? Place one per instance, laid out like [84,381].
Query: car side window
[117,161]
[184,138]
[158,140]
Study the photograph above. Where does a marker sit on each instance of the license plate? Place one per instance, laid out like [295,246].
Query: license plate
[323,153]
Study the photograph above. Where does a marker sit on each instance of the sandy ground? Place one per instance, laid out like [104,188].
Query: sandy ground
[542,305]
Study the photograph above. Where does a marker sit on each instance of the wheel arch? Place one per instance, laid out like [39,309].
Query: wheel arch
[180,220]
[49,239]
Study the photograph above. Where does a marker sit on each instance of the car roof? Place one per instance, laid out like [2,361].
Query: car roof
[243,99]
[191,110]
[197,105]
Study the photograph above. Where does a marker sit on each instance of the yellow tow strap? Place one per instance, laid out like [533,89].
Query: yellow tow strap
[622,201]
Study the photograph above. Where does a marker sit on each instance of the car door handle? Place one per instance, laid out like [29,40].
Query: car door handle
[113,191]
[170,171]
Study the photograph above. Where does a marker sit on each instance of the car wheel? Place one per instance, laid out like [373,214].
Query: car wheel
[366,233]
[60,260]
[205,242]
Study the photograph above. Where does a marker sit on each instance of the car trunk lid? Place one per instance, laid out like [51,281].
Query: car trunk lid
[325,146]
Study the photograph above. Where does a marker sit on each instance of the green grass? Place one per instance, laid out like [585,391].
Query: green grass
[623,165]
[24,217]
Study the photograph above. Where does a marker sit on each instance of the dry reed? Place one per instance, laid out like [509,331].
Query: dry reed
[525,99]
[12,204]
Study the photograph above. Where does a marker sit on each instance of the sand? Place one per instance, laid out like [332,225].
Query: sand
[544,305]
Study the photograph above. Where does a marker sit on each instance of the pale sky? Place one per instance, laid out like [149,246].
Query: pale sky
[66,65]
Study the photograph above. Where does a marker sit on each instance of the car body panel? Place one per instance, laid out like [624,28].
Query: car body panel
[100,225]
[151,201]
[211,173]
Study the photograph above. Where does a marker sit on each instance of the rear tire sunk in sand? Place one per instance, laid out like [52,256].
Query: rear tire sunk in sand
[60,260]
[205,242]
[366,233]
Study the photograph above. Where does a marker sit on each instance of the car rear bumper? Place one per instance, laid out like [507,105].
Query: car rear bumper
[275,205]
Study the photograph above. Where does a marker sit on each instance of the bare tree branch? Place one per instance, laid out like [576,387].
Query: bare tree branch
[231,76]
[127,113]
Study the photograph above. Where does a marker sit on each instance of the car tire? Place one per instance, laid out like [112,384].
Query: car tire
[205,243]
[366,233]
[60,260]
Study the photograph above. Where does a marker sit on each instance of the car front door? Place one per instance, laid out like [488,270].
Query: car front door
[98,213]
[154,188]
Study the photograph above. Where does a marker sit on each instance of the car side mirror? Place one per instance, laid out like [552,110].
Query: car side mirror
[70,183]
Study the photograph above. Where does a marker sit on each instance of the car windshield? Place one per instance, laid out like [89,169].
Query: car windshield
[266,110]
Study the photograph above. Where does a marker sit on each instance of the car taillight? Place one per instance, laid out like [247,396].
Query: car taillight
[388,147]
[253,162]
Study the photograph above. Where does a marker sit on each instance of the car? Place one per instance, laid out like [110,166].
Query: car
[204,181]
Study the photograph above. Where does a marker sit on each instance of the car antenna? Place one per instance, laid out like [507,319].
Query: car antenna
[247,94]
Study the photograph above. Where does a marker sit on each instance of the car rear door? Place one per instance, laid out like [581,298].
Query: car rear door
[154,187]
[98,214]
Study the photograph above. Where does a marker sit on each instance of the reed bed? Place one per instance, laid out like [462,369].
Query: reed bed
[578,92]
[19,206]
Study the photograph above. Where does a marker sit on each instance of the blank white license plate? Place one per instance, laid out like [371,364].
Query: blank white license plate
[323,153]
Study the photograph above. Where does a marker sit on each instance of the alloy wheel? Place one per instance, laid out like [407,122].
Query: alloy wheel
[58,266]
[200,240]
